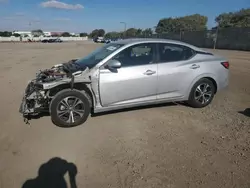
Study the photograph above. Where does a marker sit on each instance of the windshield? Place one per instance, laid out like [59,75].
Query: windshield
[99,54]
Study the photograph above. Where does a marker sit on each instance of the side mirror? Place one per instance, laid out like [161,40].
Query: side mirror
[114,64]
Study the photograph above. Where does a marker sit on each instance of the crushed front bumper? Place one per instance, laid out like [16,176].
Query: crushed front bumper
[23,106]
[23,109]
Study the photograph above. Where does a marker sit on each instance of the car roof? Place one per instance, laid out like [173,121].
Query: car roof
[157,40]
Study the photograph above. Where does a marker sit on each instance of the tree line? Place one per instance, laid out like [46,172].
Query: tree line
[195,22]
[38,33]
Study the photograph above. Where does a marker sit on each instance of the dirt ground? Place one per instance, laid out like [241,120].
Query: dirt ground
[159,146]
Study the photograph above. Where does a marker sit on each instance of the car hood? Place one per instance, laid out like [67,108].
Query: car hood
[62,73]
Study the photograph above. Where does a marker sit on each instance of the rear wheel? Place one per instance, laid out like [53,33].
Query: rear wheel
[70,108]
[202,93]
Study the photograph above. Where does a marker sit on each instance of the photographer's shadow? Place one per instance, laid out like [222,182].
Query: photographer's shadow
[51,175]
[246,112]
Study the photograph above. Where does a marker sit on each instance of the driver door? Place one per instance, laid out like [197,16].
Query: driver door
[135,81]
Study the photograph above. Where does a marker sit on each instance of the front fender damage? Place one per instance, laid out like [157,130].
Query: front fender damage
[38,95]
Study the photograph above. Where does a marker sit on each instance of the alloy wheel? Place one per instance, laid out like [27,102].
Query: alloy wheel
[70,109]
[203,93]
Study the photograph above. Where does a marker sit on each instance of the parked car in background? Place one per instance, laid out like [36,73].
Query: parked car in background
[108,41]
[123,74]
[111,40]
[99,40]
[53,40]
[45,40]
[57,40]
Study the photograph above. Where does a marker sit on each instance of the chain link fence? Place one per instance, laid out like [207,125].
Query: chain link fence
[229,38]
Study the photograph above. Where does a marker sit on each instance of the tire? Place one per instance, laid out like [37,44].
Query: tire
[64,112]
[200,97]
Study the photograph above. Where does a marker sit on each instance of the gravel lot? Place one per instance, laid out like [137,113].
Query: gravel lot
[159,146]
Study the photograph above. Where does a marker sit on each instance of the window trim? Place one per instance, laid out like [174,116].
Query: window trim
[203,53]
[172,44]
[154,61]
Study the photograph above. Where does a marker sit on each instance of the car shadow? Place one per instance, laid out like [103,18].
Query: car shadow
[38,116]
[246,112]
[92,114]
[136,108]
[27,118]
[51,175]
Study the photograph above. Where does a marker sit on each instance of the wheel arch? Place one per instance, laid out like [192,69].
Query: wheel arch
[210,77]
[77,86]
[214,82]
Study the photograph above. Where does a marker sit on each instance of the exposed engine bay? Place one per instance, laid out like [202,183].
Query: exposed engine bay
[38,94]
[58,72]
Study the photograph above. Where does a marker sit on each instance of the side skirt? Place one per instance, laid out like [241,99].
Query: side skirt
[131,105]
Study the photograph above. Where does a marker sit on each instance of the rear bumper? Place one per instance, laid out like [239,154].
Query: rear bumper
[223,79]
[223,85]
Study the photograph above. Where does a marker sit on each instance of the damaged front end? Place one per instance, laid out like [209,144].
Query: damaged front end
[37,95]
[34,100]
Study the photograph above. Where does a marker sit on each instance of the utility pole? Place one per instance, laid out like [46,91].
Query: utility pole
[30,26]
[216,37]
[180,34]
[125,27]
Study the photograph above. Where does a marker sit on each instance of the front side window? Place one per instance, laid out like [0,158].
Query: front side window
[140,54]
[174,52]
[98,55]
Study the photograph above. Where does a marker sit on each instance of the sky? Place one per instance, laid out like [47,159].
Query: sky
[86,15]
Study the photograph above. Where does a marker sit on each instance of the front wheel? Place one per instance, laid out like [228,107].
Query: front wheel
[202,93]
[70,108]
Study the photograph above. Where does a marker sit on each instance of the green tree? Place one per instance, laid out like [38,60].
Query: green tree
[83,34]
[139,32]
[131,32]
[94,33]
[193,22]
[97,33]
[5,34]
[101,33]
[16,35]
[147,32]
[240,18]
[112,35]
[37,32]
[66,34]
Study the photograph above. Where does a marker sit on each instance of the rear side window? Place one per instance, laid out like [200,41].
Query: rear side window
[174,52]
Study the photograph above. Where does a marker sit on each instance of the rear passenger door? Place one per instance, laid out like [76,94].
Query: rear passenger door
[175,72]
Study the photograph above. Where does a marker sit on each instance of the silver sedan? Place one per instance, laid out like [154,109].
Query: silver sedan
[125,74]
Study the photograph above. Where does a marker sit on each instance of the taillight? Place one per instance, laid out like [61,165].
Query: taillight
[225,64]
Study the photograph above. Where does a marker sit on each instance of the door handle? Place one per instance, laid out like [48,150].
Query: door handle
[194,66]
[149,72]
